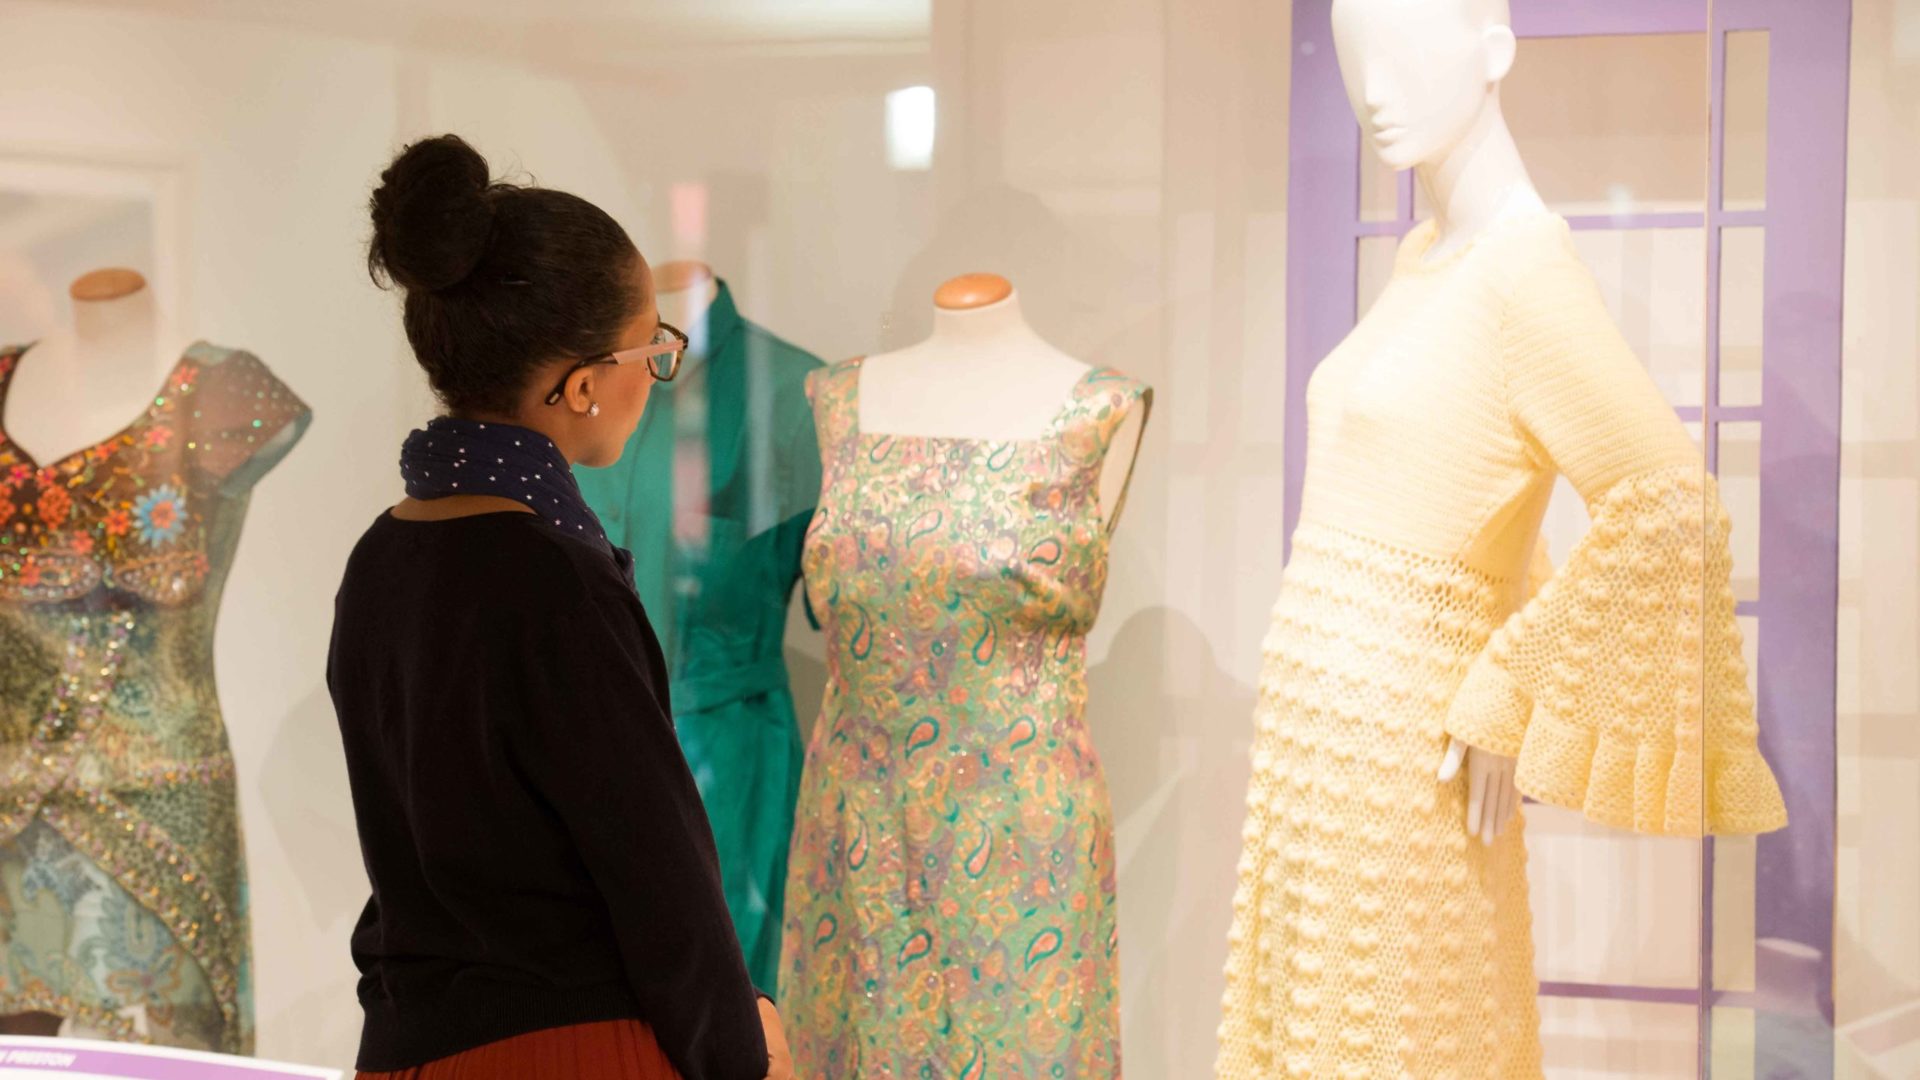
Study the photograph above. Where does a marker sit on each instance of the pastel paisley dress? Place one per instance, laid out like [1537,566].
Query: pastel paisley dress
[950,899]
[123,901]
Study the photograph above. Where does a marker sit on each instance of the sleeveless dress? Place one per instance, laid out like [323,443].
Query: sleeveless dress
[123,900]
[1372,938]
[950,899]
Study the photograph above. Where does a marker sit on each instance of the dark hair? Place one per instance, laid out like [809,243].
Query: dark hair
[500,278]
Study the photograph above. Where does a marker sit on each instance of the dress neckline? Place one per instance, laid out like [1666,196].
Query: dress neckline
[1075,395]
[144,417]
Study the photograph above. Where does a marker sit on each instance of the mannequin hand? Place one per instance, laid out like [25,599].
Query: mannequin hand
[1492,798]
[779,1058]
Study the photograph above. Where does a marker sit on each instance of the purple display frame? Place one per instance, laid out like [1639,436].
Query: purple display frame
[1799,418]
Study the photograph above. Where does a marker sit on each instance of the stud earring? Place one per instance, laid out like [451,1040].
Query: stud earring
[593,409]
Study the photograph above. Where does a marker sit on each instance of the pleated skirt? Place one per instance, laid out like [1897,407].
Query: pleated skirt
[613,1050]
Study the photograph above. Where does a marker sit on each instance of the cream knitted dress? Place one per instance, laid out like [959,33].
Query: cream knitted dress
[1371,937]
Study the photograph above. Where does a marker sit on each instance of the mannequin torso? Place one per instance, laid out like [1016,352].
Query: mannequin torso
[1424,82]
[985,375]
[84,383]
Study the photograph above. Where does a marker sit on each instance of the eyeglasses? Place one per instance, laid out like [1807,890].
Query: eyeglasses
[662,355]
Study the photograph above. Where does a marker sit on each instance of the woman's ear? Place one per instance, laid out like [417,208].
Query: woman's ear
[578,396]
[1501,47]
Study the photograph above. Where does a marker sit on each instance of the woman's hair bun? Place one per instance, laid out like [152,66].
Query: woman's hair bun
[432,218]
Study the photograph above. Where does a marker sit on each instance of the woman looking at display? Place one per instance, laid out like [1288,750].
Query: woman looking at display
[546,899]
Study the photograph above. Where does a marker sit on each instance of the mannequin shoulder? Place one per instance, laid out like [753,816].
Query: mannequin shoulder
[229,370]
[830,387]
[1115,404]
[1533,240]
[784,361]
[1535,261]
[1108,392]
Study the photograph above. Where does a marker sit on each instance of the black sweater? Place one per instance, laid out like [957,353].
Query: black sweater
[538,852]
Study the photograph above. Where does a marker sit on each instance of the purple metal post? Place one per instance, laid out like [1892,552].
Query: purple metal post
[1323,202]
[1589,18]
[1800,464]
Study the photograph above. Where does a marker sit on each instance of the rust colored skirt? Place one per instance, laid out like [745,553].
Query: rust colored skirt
[614,1050]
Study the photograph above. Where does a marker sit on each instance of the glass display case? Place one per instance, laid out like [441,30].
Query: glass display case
[1178,192]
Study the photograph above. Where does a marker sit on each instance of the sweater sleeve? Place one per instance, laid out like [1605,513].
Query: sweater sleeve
[601,750]
[1620,685]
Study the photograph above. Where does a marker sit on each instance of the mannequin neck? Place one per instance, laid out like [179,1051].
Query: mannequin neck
[687,308]
[86,379]
[995,323]
[1481,179]
[115,339]
[982,374]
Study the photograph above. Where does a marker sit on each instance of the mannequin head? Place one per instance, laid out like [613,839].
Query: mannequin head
[1421,74]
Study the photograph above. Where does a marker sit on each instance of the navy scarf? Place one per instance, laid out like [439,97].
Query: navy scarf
[467,457]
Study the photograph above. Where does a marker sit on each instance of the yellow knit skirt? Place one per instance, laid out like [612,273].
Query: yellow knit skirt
[1372,937]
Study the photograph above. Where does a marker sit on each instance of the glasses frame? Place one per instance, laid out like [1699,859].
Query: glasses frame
[675,350]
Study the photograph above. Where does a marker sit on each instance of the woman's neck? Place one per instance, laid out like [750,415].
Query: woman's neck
[538,418]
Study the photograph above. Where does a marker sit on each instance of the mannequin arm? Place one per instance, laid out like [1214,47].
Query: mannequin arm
[1621,687]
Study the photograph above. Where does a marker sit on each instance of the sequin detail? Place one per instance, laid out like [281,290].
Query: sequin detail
[119,834]
[950,899]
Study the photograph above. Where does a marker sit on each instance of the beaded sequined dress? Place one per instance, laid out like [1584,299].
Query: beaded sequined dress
[123,901]
[950,898]
[1371,937]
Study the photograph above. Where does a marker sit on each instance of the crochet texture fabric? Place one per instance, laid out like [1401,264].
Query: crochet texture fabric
[1371,936]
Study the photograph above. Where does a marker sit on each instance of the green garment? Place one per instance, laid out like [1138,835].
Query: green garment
[713,497]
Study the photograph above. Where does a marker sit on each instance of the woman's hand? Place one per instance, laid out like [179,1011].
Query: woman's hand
[779,1058]
[1492,797]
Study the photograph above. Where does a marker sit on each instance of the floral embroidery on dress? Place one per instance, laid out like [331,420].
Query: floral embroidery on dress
[162,515]
[122,880]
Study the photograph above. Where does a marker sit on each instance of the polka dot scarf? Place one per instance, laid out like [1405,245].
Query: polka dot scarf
[466,457]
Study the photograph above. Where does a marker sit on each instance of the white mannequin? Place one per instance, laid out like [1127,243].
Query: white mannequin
[682,292]
[984,374]
[80,385]
[1423,77]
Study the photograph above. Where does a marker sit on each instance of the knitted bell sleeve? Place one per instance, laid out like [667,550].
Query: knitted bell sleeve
[1620,685]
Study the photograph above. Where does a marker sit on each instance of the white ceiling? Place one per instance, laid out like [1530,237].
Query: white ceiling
[634,25]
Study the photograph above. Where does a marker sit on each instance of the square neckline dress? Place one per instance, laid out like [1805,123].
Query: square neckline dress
[951,905]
